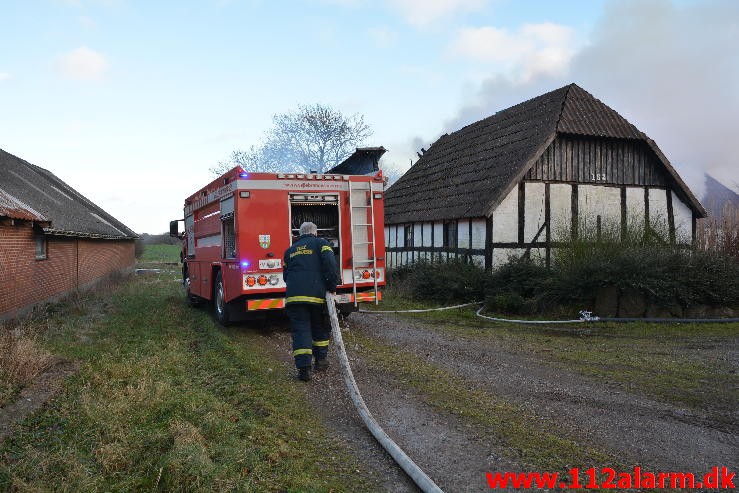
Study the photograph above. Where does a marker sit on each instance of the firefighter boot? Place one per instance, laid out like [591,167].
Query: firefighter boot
[304,373]
[321,363]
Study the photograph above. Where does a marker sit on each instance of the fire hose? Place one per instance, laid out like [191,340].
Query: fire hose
[425,483]
[585,316]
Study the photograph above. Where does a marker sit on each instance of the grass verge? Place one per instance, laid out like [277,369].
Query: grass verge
[165,401]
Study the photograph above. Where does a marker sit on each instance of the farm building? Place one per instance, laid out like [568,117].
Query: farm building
[52,239]
[516,182]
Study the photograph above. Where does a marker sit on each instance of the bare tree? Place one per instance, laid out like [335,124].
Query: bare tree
[311,138]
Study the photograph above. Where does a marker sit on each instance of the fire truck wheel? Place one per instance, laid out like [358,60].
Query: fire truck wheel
[222,309]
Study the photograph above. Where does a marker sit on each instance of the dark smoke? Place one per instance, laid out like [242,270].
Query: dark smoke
[671,69]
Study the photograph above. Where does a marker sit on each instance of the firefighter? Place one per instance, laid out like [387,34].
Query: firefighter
[309,270]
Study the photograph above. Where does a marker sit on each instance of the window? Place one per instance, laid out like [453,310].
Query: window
[40,241]
[408,234]
[450,235]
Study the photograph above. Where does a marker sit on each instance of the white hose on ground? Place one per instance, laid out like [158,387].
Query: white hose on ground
[513,321]
[411,469]
[422,311]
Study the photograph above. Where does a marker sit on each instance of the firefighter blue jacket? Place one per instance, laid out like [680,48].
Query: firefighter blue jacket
[310,270]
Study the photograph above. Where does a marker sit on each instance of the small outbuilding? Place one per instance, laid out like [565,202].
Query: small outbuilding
[518,181]
[52,239]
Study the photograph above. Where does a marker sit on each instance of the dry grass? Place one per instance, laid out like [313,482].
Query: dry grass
[720,234]
[21,360]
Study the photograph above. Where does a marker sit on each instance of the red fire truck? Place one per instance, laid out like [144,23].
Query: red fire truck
[238,227]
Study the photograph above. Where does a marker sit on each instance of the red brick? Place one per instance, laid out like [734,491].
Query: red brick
[71,263]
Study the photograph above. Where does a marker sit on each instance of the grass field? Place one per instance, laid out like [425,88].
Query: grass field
[165,400]
[161,253]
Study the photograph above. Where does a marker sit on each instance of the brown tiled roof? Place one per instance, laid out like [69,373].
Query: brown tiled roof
[46,199]
[468,172]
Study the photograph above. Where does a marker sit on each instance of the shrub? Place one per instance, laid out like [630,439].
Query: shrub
[639,258]
[439,281]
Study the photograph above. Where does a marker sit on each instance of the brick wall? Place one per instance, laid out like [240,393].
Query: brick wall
[70,262]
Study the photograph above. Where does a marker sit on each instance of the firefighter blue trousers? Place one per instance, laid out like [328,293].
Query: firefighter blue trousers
[310,332]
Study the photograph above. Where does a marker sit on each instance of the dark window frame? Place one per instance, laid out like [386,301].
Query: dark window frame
[40,243]
[408,235]
[450,228]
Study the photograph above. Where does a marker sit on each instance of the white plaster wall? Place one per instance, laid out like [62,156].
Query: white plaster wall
[560,209]
[683,220]
[501,255]
[478,233]
[387,235]
[505,219]
[534,212]
[463,233]
[416,234]
[427,234]
[635,206]
[594,201]
[438,234]
[479,260]
[658,209]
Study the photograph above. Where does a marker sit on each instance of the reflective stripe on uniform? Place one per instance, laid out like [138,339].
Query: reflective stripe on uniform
[321,343]
[304,299]
[326,248]
[302,351]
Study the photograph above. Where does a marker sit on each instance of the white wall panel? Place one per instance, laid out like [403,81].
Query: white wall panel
[478,233]
[463,233]
[560,209]
[438,233]
[505,219]
[683,220]
[417,227]
[479,260]
[501,255]
[594,201]
[387,236]
[658,209]
[534,211]
[635,206]
[427,234]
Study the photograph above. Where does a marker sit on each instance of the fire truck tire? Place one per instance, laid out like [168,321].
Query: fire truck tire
[221,309]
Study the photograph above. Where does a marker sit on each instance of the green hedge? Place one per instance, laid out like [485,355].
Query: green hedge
[439,281]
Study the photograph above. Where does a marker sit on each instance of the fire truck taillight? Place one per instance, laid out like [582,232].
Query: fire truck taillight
[273,280]
[262,280]
[251,281]
[365,275]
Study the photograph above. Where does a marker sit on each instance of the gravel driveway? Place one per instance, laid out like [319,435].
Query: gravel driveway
[631,428]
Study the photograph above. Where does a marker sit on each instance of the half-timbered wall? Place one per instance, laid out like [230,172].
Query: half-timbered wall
[431,242]
[577,183]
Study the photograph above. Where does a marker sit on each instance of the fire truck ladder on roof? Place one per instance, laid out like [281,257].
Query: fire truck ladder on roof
[361,217]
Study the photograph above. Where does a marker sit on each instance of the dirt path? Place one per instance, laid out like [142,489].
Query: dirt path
[655,434]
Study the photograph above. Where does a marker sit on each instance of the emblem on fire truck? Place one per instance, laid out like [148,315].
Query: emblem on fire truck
[264,241]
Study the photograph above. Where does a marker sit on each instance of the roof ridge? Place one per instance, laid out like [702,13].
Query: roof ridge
[562,107]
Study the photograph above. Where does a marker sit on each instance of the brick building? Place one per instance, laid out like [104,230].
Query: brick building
[52,239]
